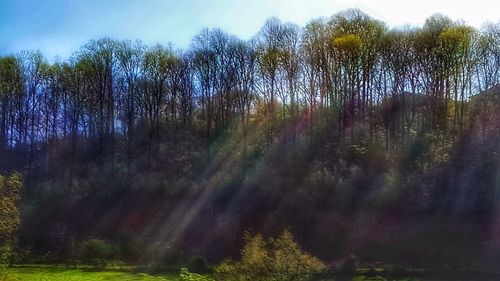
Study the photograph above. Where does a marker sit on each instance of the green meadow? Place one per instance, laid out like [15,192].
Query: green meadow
[44,273]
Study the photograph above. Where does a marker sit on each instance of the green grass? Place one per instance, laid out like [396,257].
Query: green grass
[69,274]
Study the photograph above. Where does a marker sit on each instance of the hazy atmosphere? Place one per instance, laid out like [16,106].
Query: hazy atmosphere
[249,140]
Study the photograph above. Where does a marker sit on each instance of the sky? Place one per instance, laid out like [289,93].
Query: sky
[60,27]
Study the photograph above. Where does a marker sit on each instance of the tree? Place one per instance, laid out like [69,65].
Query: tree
[98,62]
[10,219]
[11,85]
[130,59]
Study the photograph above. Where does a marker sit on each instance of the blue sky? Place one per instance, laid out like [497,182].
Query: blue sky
[60,27]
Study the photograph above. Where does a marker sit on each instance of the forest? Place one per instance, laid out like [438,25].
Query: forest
[367,145]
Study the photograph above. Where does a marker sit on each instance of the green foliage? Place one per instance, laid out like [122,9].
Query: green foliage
[198,264]
[275,259]
[97,252]
[10,76]
[185,275]
[10,218]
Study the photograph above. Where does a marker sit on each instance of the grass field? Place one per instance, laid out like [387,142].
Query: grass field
[69,274]
[53,273]
[64,273]
[49,273]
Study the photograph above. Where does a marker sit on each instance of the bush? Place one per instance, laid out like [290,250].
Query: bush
[198,264]
[278,259]
[97,252]
[185,275]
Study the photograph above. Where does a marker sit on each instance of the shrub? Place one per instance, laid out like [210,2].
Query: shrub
[198,264]
[185,275]
[278,259]
[97,252]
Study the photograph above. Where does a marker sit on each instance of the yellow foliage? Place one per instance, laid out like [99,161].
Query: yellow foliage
[278,259]
[455,40]
[348,43]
